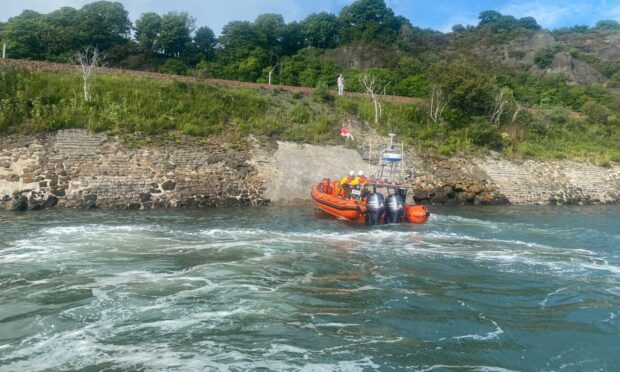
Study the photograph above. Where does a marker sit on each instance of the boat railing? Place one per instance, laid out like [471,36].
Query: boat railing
[390,162]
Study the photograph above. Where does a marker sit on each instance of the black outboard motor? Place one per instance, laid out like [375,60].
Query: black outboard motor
[375,206]
[394,209]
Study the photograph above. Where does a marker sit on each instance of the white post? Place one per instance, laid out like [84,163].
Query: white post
[370,156]
[4,51]
[402,156]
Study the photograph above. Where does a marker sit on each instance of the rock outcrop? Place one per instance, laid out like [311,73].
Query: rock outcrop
[519,54]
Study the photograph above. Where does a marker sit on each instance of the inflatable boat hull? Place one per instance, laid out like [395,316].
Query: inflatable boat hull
[332,202]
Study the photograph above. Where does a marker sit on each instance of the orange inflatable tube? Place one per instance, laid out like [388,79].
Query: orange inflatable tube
[329,197]
[416,214]
[347,209]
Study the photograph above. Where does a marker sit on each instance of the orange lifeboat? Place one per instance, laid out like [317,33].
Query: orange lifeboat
[364,205]
[376,201]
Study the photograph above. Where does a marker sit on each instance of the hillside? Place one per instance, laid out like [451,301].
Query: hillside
[505,84]
[143,107]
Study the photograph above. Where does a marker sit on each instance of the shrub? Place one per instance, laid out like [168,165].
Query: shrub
[544,56]
[301,114]
[412,86]
[321,93]
[516,54]
[173,66]
[484,135]
[595,111]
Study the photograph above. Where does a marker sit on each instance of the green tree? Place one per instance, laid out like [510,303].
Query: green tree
[148,28]
[175,35]
[238,39]
[368,20]
[24,35]
[251,68]
[320,30]
[65,17]
[205,41]
[407,66]
[505,24]
[103,24]
[467,88]
[529,23]
[64,38]
[269,30]
[608,24]
[307,68]
[458,28]
[293,40]
[488,16]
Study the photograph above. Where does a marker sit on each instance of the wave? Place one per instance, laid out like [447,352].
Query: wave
[466,367]
[59,243]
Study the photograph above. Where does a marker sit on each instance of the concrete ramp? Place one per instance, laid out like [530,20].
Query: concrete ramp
[301,166]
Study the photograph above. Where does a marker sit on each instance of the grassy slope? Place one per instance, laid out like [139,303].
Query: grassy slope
[33,102]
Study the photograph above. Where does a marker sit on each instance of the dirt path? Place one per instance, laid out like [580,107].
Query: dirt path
[60,67]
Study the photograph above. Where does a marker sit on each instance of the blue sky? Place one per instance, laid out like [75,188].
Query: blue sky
[436,14]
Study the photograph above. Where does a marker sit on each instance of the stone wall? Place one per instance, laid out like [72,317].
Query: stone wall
[75,169]
[558,182]
[491,180]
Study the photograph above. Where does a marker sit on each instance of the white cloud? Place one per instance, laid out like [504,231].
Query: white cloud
[549,14]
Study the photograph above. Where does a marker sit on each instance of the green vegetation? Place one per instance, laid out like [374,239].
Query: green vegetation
[45,101]
[544,57]
[480,86]
[540,134]
[33,102]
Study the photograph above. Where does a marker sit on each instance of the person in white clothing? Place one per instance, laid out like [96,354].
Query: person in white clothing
[340,85]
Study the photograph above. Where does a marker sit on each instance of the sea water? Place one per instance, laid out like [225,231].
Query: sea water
[476,288]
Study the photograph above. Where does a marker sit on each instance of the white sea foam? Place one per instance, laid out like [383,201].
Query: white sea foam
[282,348]
[462,367]
[480,337]
[544,302]
[366,288]
[80,349]
[464,221]
[336,325]
[96,229]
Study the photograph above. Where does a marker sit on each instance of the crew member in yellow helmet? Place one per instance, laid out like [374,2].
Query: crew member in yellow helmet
[348,179]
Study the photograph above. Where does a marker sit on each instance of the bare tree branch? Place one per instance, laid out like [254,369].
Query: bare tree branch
[89,60]
[273,68]
[373,89]
[501,100]
[516,113]
[438,104]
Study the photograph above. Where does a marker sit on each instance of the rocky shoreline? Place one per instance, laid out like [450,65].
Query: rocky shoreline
[77,169]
